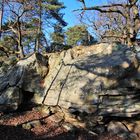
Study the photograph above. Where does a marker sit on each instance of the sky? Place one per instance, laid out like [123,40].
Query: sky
[70,16]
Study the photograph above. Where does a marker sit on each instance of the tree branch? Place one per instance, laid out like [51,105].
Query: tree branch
[102,10]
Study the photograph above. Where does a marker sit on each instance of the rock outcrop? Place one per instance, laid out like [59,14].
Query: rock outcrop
[102,79]
[95,82]
[85,85]
[25,76]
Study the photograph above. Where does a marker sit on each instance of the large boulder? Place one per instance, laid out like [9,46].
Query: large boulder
[92,81]
[25,76]
[91,85]
[102,79]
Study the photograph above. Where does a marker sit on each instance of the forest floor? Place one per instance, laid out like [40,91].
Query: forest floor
[12,127]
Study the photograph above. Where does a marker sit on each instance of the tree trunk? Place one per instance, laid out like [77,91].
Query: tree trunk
[20,46]
[37,43]
[1,16]
[21,52]
[133,20]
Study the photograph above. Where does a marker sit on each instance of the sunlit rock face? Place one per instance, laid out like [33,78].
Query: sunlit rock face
[94,79]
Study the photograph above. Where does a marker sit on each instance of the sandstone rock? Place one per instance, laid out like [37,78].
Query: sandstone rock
[99,129]
[117,128]
[100,49]
[86,85]
[91,81]
[68,127]
[26,75]
[102,79]
[10,99]
[31,124]
[121,130]
[133,126]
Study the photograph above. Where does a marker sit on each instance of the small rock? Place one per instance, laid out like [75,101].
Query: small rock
[45,110]
[68,126]
[133,136]
[57,118]
[26,126]
[128,136]
[99,129]
[31,124]
[117,128]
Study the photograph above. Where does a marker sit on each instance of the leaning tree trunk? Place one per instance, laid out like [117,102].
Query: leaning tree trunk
[20,46]
[133,21]
[37,43]
[21,51]
[1,16]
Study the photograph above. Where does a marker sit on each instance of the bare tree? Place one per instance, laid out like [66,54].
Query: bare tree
[124,14]
[18,9]
[1,15]
[39,27]
[26,23]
